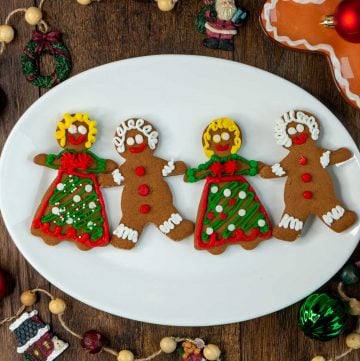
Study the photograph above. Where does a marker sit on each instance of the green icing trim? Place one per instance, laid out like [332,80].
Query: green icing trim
[100,166]
[191,173]
[249,204]
[83,217]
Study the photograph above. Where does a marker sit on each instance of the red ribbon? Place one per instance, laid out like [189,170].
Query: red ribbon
[45,41]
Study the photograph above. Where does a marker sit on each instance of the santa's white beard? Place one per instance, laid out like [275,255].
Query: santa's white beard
[225,12]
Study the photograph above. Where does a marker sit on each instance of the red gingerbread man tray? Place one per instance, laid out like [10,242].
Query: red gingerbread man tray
[297,24]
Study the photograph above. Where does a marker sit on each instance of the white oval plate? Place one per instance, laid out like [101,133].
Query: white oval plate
[161,281]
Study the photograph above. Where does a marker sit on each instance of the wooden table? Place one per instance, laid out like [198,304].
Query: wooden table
[119,29]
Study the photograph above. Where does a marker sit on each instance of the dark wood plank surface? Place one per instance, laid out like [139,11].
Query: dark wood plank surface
[119,29]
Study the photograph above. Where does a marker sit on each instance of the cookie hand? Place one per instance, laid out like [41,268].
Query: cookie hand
[110,165]
[110,179]
[180,167]
[274,171]
[340,155]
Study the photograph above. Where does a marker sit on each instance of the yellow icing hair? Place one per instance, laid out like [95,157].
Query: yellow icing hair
[221,123]
[68,120]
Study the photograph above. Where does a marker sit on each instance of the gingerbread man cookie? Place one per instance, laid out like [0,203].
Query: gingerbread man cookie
[230,212]
[309,189]
[146,197]
[73,207]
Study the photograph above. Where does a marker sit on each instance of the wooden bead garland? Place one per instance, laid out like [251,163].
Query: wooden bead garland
[94,342]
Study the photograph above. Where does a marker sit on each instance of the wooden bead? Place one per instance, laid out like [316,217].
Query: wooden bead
[211,352]
[166,5]
[28,298]
[354,306]
[126,355]
[6,33]
[33,15]
[353,340]
[57,306]
[318,358]
[84,2]
[168,345]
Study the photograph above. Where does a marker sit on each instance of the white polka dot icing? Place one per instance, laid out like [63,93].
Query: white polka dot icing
[60,187]
[261,222]
[92,205]
[76,198]
[218,208]
[55,210]
[231,227]
[227,192]
[214,189]
[242,195]
[69,221]
[88,188]
[241,212]
[209,231]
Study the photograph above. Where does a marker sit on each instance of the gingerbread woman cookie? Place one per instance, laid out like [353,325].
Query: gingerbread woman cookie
[309,189]
[73,207]
[230,211]
[146,197]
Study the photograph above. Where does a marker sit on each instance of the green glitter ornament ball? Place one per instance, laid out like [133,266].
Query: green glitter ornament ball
[322,316]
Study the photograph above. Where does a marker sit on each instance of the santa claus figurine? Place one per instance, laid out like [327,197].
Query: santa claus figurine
[219,19]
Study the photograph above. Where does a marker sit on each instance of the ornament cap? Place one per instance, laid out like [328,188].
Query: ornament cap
[328,21]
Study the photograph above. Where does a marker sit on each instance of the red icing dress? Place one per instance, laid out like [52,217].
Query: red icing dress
[73,207]
[229,211]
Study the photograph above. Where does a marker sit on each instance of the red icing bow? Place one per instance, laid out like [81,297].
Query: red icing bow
[229,167]
[70,161]
[46,40]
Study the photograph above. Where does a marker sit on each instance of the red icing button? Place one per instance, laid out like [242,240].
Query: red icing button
[306,177]
[140,171]
[303,160]
[143,190]
[308,195]
[144,208]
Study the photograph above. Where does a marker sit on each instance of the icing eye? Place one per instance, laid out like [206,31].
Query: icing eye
[292,131]
[72,129]
[82,130]
[225,136]
[216,138]
[139,139]
[300,128]
[130,141]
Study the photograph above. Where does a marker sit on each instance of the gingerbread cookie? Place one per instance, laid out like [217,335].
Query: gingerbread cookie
[309,189]
[230,211]
[146,197]
[73,207]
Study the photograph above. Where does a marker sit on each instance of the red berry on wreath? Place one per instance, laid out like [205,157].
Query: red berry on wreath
[93,341]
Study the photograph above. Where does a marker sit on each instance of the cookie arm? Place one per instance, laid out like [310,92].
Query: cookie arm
[171,168]
[333,157]
[113,179]
[110,165]
[277,170]
[47,160]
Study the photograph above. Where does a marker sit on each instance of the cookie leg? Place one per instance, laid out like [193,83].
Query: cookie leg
[337,218]
[126,234]
[49,240]
[175,227]
[290,226]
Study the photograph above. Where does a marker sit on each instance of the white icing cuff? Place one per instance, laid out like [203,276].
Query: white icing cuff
[117,177]
[278,170]
[170,224]
[168,168]
[288,221]
[335,214]
[126,233]
[325,159]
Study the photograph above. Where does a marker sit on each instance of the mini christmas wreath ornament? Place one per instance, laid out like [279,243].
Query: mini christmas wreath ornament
[46,43]
[37,343]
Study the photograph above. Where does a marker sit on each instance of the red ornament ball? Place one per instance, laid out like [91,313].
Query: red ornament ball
[3,284]
[93,341]
[347,20]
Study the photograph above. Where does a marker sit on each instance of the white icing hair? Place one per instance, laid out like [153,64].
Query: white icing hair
[281,136]
[138,124]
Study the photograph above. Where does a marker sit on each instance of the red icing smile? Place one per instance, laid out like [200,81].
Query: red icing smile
[76,141]
[300,139]
[138,149]
[222,148]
